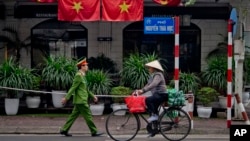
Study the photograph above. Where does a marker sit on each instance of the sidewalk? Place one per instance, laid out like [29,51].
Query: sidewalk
[50,125]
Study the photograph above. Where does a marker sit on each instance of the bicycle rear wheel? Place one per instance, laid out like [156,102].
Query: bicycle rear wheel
[174,124]
[122,127]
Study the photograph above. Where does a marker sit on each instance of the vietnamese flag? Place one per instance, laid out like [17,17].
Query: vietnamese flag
[168,2]
[122,10]
[78,10]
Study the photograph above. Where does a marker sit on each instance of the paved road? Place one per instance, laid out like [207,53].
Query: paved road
[24,137]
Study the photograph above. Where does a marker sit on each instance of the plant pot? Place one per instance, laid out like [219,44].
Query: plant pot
[97,109]
[117,106]
[223,102]
[185,108]
[204,112]
[57,98]
[33,101]
[11,106]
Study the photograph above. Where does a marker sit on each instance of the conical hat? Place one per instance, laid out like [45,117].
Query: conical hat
[155,64]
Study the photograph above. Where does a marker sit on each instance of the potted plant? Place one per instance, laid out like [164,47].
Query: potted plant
[188,82]
[58,74]
[14,76]
[102,62]
[215,76]
[33,99]
[119,93]
[205,96]
[99,83]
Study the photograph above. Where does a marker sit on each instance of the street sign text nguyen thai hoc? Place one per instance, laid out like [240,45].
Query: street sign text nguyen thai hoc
[153,25]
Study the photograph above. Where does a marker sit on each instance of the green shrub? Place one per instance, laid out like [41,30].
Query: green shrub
[206,95]
[134,73]
[98,82]
[58,72]
[13,75]
[188,82]
[120,91]
[215,75]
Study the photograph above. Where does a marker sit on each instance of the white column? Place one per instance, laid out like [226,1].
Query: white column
[239,61]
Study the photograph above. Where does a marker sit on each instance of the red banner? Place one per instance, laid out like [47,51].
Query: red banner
[78,10]
[168,2]
[122,10]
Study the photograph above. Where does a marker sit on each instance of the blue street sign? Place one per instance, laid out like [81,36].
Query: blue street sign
[153,25]
[233,17]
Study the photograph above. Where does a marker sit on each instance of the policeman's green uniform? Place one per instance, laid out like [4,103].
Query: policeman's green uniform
[80,95]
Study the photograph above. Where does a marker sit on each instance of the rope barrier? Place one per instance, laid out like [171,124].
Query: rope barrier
[189,97]
[47,92]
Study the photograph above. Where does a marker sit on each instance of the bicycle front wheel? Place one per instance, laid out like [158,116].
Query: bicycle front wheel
[122,127]
[175,124]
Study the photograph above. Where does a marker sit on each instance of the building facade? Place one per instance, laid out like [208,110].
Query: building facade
[201,27]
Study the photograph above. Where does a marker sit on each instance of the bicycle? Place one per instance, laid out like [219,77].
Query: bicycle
[174,124]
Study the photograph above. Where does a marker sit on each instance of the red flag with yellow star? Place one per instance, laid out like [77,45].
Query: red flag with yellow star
[78,10]
[168,2]
[122,10]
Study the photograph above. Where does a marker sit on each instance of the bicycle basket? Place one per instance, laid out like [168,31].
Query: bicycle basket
[175,98]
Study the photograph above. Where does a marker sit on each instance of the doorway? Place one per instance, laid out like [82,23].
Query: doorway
[134,40]
[53,37]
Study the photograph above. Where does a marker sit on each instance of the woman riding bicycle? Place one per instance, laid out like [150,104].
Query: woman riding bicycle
[157,85]
[173,122]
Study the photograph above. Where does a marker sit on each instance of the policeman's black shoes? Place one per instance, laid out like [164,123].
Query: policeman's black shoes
[65,133]
[97,134]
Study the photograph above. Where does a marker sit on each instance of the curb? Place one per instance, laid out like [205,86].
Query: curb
[55,130]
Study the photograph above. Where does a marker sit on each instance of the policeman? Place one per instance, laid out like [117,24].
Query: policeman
[80,94]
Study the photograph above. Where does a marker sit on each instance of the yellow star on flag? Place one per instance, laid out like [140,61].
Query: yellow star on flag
[77,6]
[124,7]
[164,2]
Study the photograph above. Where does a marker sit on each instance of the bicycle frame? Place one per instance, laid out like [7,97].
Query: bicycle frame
[141,115]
